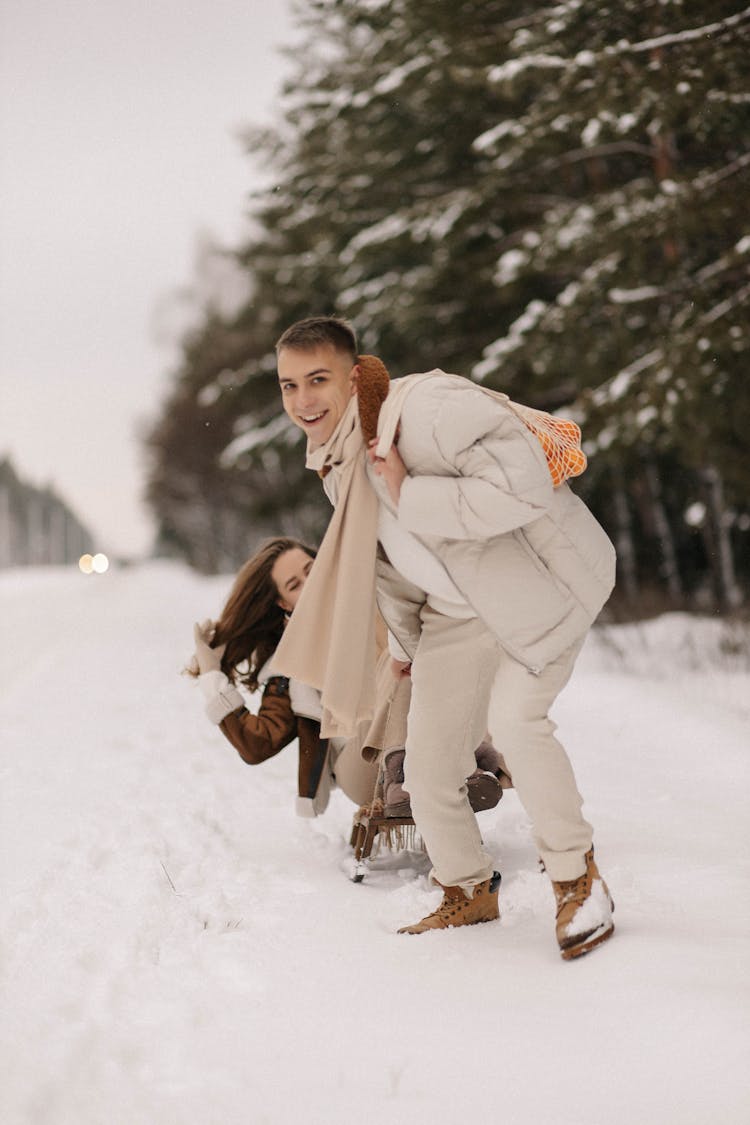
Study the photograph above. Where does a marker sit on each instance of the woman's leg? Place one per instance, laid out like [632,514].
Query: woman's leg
[356,774]
[353,774]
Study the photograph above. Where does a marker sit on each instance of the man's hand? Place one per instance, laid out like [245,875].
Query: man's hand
[400,668]
[391,468]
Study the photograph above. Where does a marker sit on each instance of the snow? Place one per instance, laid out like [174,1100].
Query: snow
[620,384]
[487,140]
[594,916]
[591,131]
[393,226]
[370,289]
[508,267]
[509,70]
[577,227]
[631,296]
[250,439]
[508,343]
[626,122]
[392,79]
[688,35]
[179,948]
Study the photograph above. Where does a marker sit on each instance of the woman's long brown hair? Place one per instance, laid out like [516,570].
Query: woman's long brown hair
[251,623]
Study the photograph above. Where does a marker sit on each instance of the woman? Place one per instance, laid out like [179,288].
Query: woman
[239,648]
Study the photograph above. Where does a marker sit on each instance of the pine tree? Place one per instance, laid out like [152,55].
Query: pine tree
[645,132]
[549,198]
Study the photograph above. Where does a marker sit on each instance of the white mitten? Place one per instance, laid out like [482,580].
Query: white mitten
[221,696]
[205,658]
[208,659]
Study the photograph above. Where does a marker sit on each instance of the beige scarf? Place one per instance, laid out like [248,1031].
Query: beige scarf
[329,641]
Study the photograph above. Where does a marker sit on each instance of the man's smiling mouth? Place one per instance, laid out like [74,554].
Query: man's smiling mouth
[308,419]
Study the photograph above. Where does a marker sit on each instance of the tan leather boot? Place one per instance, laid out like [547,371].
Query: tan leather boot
[458,910]
[584,911]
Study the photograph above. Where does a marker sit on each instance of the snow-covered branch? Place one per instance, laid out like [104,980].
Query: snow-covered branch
[620,383]
[513,67]
[258,436]
[713,178]
[579,154]
[634,296]
[726,306]
[689,35]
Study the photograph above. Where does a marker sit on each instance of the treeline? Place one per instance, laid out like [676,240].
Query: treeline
[37,527]
[551,199]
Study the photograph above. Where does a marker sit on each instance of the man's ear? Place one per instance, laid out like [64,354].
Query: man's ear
[355,373]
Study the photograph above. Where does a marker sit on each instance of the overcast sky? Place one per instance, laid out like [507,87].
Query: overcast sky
[118,149]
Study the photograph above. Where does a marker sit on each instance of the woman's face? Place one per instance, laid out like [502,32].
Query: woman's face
[289,574]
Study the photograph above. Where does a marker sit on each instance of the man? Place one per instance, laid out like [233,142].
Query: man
[488,578]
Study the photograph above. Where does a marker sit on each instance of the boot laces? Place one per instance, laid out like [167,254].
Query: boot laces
[452,898]
[574,890]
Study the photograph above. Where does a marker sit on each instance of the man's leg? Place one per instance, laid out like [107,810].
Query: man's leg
[541,770]
[452,675]
[544,781]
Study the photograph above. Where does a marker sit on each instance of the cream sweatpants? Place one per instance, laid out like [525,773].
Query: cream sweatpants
[463,684]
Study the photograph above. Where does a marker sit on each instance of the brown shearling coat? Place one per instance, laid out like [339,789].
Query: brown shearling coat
[260,737]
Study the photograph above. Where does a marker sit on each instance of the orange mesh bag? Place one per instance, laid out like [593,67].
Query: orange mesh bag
[560,439]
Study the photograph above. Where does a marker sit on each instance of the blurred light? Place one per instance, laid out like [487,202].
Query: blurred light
[93,564]
[695,514]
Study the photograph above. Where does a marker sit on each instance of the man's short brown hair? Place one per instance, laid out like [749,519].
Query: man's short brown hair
[314,331]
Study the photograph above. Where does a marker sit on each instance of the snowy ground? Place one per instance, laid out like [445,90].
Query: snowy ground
[179,949]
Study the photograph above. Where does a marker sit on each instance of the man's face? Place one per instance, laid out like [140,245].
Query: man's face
[316,387]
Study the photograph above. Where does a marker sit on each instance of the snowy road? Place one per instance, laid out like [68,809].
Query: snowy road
[179,949]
